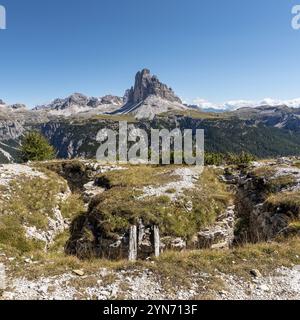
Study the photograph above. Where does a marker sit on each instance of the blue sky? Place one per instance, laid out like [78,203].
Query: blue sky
[214,49]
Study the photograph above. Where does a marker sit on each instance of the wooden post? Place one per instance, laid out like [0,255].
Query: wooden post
[2,277]
[141,232]
[132,255]
[156,241]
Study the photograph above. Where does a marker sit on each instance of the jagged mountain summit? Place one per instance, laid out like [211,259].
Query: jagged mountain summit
[149,97]
[12,107]
[146,85]
[78,103]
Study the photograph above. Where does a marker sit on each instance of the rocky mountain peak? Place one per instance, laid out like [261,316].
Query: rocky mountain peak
[18,106]
[147,85]
[78,103]
[110,99]
[75,99]
[12,107]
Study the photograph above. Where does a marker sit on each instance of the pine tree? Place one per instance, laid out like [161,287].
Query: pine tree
[35,147]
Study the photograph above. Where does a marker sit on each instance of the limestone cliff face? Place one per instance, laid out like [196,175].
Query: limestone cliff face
[10,129]
[146,85]
[149,97]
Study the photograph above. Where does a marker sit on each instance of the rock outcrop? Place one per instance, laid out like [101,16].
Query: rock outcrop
[149,97]
[221,234]
[146,85]
[17,106]
[267,202]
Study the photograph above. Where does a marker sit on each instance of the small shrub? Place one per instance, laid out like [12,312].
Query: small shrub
[218,159]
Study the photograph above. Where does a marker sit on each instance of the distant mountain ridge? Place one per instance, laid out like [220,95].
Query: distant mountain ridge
[72,123]
[239,104]
[79,103]
[147,98]
[273,116]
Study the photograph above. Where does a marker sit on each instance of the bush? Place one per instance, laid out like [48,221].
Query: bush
[239,159]
[35,147]
[218,159]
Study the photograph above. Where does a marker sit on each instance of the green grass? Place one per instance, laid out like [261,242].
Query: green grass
[72,206]
[210,198]
[33,199]
[263,172]
[295,225]
[12,237]
[287,201]
[297,164]
[270,183]
[278,183]
[265,257]
[137,176]
[114,118]
[30,203]
[194,114]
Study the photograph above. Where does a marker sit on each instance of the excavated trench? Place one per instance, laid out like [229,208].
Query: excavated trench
[86,231]
[256,219]
[246,220]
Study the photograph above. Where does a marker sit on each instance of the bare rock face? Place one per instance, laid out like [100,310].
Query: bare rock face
[221,234]
[109,99]
[17,106]
[12,107]
[77,99]
[10,129]
[149,97]
[146,85]
[266,219]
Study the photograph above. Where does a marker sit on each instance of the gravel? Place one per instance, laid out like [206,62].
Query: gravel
[187,179]
[10,172]
[283,284]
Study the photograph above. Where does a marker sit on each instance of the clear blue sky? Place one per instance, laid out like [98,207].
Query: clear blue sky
[215,49]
